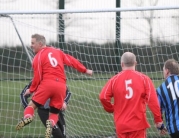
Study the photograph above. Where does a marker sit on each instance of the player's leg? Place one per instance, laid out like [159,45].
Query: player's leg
[61,123]
[57,90]
[53,117]
[51,122]
[28,115]
[44,115]
[40,96]
[56,132]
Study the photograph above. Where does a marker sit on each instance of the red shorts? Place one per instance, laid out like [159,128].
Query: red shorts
[52,89]
[134,134]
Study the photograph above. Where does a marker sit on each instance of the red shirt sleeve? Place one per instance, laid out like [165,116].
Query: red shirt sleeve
[72,62]
[105,97]
[152,100]
[37,69]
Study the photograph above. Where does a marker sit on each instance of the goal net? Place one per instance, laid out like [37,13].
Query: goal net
[97,39]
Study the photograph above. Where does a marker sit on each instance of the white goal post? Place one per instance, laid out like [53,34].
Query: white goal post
[97,38]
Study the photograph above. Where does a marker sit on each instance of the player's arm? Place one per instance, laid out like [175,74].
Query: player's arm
[68,96]
[37,74]
[24,99]
[151,99]
[66,100]
[105,97]
[73,62]
[160,101]
[154,106]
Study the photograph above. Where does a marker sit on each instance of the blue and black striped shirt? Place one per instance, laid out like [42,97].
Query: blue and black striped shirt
[168,95]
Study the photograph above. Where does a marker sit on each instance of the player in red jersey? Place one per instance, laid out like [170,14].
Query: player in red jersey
[49,81]
[131,91]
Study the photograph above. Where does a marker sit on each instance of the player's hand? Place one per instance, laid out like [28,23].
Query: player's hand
[64,106]
[27,92]
[89,72]
[162,129]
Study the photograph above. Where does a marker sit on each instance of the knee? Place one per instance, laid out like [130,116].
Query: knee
[32,105]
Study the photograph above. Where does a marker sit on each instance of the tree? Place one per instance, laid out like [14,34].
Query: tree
[149,19]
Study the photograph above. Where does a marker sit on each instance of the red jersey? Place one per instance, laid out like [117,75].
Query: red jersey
[131,91]
[49,62]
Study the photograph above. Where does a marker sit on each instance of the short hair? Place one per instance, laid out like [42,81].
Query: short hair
[172,65]
[128,59]
[39,38]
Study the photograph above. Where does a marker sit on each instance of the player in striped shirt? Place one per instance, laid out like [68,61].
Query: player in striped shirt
[168,95]
[126,95]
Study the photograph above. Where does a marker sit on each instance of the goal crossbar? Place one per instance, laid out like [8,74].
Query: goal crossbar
[149,8]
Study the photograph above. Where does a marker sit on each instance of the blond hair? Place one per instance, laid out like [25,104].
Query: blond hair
[39,38]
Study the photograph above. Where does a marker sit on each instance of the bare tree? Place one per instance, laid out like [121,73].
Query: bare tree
[149,19]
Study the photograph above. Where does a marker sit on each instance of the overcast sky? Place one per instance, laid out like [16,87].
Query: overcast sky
[93,27]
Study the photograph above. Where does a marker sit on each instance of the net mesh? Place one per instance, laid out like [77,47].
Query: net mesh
[92,38]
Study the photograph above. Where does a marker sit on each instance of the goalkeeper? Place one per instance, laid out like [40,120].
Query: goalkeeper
[43,111]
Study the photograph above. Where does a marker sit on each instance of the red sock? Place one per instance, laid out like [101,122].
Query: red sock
[28,112]
[53,118]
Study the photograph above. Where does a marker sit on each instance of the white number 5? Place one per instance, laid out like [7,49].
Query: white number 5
[53,60]
[128,88]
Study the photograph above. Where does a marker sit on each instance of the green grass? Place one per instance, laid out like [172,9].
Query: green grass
[85,116]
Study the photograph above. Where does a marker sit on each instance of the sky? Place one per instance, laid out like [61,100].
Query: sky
[91,27]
